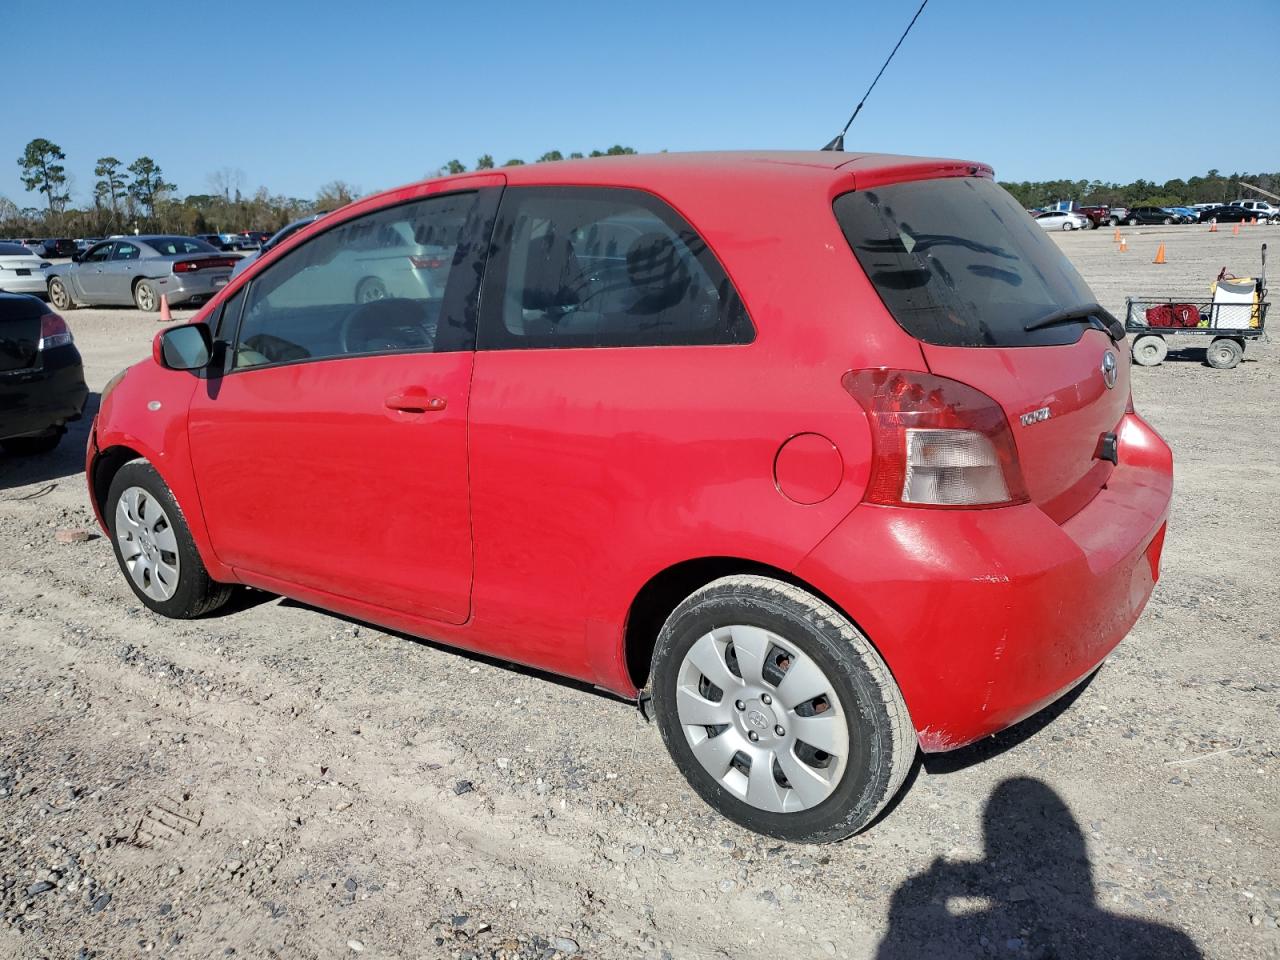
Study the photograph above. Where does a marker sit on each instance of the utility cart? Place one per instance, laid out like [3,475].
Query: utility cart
[1233,313]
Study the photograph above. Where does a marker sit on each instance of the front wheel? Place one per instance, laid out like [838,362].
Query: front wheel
[153,546]
[1167,221]
[1224,353]
[778,712]
[1068,225]
[1133,221]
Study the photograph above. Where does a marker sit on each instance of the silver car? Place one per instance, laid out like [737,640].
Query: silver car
[139,271]
[21,270]
[1062,220]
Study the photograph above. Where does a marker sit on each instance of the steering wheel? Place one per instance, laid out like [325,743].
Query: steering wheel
[399,314]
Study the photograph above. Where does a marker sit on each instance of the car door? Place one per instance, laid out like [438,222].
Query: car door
[87,276]
[331,453]
[610,337]
[120,271]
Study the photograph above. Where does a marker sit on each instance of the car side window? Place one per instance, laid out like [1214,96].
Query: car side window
[596,267]
[98,254]
[374,284]
[126,251]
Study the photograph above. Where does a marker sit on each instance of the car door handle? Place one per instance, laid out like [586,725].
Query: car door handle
[414,400]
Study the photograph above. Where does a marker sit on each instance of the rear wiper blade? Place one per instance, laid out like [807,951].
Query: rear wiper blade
[1085,311]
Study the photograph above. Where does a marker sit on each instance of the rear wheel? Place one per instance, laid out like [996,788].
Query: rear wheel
[1224,353]
[778,712]
[1149,350]
[59,295]
[1168,220]
[154,548]
[1068,225]
[370,289]
[31,446]
[1133,221]
[144,296]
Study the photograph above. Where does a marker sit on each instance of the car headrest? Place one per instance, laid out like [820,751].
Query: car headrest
[657,271]
[552,273]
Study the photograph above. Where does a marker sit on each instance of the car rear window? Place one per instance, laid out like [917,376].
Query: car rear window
[13,250]
[958,262]
[169,246]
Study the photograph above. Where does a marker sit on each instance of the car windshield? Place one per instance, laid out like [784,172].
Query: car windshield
[171,246]
[958,263]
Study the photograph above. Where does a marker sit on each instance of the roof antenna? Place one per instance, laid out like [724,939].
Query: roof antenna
[838,142]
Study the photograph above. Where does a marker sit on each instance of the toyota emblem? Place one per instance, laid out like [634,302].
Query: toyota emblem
[1110,369]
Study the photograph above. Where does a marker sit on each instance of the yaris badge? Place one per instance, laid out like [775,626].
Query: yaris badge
[1110,369]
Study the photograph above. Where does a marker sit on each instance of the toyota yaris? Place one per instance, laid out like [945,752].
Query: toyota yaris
[831,455]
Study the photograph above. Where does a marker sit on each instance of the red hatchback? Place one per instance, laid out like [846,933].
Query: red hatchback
[833,455]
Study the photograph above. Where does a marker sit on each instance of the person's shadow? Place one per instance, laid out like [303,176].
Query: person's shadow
[1032,896]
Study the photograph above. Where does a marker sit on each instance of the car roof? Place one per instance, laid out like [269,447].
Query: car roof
[741,167]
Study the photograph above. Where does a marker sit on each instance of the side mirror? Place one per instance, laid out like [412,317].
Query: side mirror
[186,347]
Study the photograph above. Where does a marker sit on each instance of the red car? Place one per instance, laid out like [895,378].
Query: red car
[831,455]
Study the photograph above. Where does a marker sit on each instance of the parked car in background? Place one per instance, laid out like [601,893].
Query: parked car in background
[42,384]
[1062,220]
[21,271]
[1145,215]
[608,421]
[256,238]
[1184,214]
[1097,214]
[1264,211]
[215,240]
[284,233]
[58,247]
[1227,214]
[139,270]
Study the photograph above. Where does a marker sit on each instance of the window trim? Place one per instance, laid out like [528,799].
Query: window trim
[493,334]
[485,210]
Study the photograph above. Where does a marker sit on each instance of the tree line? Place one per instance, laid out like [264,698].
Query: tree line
[137,196]
[125,197]
[1213,187]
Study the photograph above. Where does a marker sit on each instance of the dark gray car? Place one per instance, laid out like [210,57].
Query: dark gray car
[139,271]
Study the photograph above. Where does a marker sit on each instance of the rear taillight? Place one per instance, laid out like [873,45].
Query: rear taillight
[426,263]
[935,442]
[188,266]
[54,332]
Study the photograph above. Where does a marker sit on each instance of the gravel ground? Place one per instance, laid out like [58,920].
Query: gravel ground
[278,782]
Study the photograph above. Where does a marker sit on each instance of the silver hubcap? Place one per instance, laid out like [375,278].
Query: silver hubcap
[146,300]
[147,543]
[762,718]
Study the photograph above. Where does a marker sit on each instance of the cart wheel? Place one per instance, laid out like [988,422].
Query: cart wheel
[1224,353]
[1150,350]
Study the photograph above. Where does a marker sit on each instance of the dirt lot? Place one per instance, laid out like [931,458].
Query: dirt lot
[277,782]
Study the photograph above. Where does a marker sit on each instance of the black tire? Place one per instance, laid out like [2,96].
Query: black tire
[32,446]
[882,743]
[59,295]
[1115,221]
[197,593]
[145,297]
[1224,353]
[1167,221]
[1133,221]
[1149,350]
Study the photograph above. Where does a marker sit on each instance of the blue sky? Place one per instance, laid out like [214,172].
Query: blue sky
[295,93]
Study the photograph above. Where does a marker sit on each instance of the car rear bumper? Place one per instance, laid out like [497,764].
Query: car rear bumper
[986,616]
[197,285]
[33,400]
[35,284]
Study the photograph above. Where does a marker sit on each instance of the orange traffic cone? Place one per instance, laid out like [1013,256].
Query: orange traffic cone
[1213,226]
[1235,231]
[1253,221]
[165,315]
[1116,238]
[1159,255]
[1124,245]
